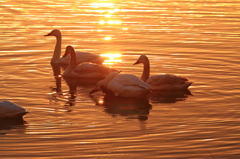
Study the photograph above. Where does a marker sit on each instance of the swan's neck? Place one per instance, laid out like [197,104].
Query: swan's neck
[146,70]
[72,64]
[57,50]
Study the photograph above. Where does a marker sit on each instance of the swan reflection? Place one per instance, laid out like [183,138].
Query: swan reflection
[57,93]
[170,96]
[131,108]
[11,123]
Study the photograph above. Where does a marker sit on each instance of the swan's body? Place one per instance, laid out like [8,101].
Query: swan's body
[11,110]
[84,70]
[123,85]
[64,60]
[162,82]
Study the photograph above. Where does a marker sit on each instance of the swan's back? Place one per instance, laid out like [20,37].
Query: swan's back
[11,110]
[168,82]
[130,80]
[89,70]
[82,57]
[127,85]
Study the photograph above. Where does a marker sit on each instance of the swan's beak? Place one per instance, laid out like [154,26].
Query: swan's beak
[136,63]
[49,34]
[94,90]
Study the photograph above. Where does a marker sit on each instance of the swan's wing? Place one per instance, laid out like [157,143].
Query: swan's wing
[168,82]
[135,91]
[131,80]
[9,109]
[82,57]
[88,57]
[126,85]
[88,70]
[166,79]
[116,87]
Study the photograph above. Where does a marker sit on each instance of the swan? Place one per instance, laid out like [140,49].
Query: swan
[84,70]
[11,110]
[162,82]
[64,60]
[123,85]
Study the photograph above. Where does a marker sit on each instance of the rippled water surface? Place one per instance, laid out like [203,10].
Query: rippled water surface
[198,39]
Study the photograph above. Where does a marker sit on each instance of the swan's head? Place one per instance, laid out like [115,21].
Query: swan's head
[142,59]
[69,50]
[54,32]
[104,82]
[97,87]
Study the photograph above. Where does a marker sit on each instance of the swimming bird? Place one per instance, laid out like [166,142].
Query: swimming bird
[84,70]
[11,110]
[162,82]
[64,60]
[123,85]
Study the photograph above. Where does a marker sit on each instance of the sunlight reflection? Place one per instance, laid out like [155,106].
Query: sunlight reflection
[106,11]
[97,5]
[100,102]
[112,58]
[110,22]
[107,38]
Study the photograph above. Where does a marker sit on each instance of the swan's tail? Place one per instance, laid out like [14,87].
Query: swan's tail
[186,85]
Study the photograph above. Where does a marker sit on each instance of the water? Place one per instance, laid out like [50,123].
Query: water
[197,39]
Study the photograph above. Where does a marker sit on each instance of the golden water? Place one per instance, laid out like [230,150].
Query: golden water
[198,39]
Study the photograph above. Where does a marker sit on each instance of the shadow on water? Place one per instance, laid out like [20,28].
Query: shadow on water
[131,108]
[10,123]
[172,96]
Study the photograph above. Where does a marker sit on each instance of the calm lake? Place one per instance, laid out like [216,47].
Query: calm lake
[198,39]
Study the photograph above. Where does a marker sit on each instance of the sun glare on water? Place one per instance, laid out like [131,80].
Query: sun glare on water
[111,59]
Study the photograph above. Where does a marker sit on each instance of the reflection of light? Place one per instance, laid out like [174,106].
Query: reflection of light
[107,15]
[100,102]
[31,70]
[97,5]
[113,11]
[110,22]
[114,22]
[113,58]
[16,59]
[101,22]
[124,28]
[108,38]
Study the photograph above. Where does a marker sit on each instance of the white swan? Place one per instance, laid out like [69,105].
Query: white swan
[64,60]
[11,110]
[123,85]
[84,70]
[161,82]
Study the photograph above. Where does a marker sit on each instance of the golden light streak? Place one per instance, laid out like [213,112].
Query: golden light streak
[110,22]
[113,58]
[108,15]
[107,38]
[97,5]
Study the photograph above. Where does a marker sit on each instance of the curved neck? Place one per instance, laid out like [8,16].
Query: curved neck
[57,50]
[146,70]
[72,64]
